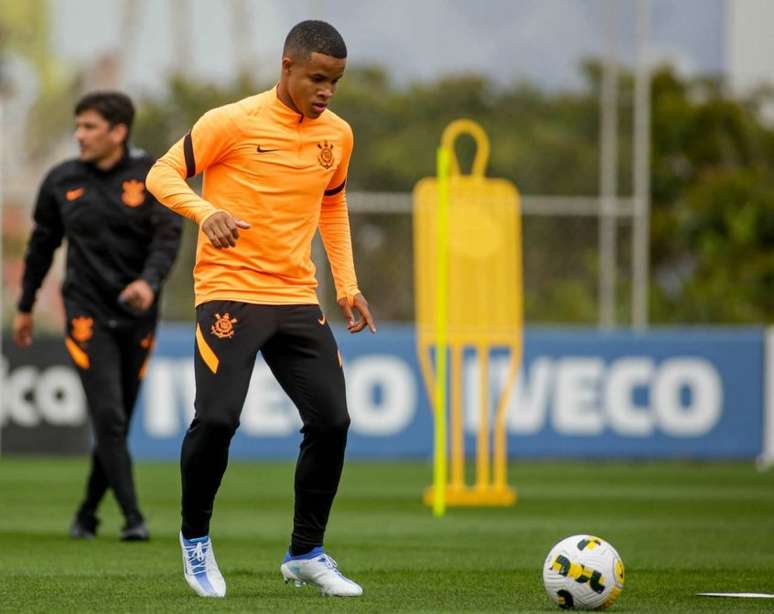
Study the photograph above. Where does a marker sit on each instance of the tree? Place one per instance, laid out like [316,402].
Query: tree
[712,231]
[712,177]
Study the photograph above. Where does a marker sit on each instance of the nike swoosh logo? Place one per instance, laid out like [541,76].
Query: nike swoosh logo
[260,149]
[74,194]
[322,321]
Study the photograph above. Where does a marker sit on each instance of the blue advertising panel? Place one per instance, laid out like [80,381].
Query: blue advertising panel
[668,393]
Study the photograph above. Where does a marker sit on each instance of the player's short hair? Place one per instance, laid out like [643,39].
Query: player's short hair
[114,107]
[314,36]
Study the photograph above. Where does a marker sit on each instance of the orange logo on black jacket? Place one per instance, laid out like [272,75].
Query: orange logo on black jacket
[134,193]
[75,194]
[82,328]
[325,158]
[224,326]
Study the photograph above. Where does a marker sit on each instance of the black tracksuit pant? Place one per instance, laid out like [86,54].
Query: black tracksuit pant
[300,350]
[110,355]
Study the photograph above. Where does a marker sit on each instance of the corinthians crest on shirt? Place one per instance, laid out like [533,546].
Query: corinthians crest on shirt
[223,327]
[326,157]
[134,193]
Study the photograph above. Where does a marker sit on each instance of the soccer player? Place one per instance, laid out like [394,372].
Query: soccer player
[275,166]
[121,245]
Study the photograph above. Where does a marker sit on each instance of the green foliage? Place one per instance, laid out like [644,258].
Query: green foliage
[162,121]
[546,143]
[726,236]
[712,180]
[712,232]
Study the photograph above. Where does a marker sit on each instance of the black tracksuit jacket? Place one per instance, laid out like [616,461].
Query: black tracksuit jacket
[116,233]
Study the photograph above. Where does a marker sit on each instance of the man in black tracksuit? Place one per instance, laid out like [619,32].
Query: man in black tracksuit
[121,246]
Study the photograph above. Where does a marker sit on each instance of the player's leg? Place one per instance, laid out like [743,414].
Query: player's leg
[136,344]
[228,335]
[304,358]
[96,353]
[86,521]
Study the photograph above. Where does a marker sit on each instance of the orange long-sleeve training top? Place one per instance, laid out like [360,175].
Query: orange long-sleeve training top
[282,173]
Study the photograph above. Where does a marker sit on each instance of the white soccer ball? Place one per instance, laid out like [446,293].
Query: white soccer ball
[583,572]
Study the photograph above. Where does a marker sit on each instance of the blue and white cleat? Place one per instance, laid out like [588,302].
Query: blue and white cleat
[200,568]
[318,569]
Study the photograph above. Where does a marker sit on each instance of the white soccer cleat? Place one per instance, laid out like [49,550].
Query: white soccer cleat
[319,569]
[200,568]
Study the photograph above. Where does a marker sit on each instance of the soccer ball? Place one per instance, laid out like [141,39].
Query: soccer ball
[583,572]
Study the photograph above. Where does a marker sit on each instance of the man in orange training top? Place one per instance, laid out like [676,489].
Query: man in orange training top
[275,166]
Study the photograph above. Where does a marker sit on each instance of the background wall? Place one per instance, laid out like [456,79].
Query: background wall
[682,393]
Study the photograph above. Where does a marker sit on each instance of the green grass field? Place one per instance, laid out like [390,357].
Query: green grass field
[681,528]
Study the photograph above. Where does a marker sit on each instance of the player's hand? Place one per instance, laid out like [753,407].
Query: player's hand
[222,229]
[360,305]
[22,329]
[137,296]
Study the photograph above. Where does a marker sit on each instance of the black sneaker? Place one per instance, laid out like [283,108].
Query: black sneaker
[136,532]
[84,527]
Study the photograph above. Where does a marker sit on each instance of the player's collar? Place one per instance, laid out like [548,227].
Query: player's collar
[284,113]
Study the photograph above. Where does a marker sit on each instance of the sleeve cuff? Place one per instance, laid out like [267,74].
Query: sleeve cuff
[350,296]
[208,215]
[25,306]
[152,281]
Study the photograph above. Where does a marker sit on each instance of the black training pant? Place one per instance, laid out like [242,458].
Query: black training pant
[111,356]
[300,350]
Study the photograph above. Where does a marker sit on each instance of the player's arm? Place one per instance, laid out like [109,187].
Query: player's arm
[46,237]
[208,142]
[336,236]
[141,293]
